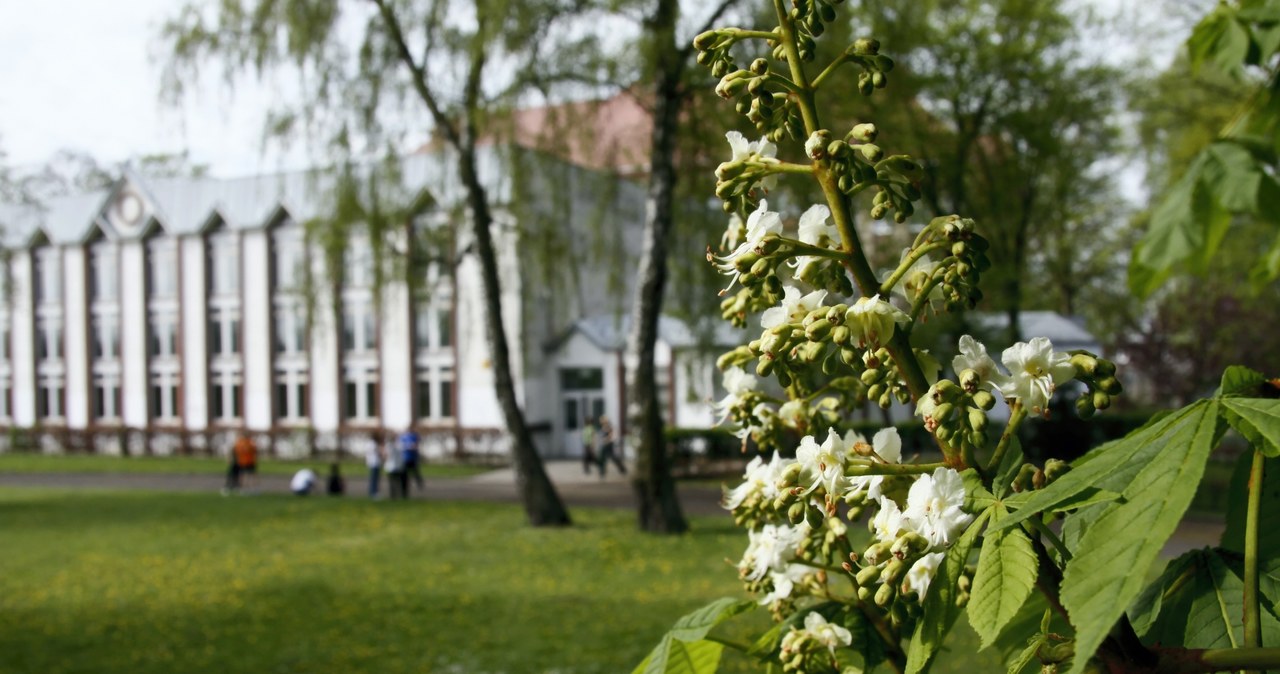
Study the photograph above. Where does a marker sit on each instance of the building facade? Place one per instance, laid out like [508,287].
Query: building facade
[168,315]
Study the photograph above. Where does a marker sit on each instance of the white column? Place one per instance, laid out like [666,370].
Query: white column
[75,317]
[326,380]
[23,345]
[396,352]
[133,333]
[195,326]
[256,323]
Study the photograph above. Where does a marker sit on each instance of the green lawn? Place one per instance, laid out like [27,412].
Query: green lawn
[11,462]
[102,581]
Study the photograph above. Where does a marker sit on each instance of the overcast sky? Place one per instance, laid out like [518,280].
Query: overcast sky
[85,75]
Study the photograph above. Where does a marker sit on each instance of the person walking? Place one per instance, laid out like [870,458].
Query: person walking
[412,457]
[607,442]
[588,446]
[397,485]
[336,486]
[373,460]
[246,454]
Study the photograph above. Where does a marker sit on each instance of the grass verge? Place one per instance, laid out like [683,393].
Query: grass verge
[15,462]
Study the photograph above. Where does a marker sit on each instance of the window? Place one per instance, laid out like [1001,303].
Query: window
[4,342]
[360,395]
[163,336]
[49,401]
[162,269]
[288,270]
[104,278]
[290,331]
[446,398]
[224,334]
[49,345]
[106,398]
[424,399]
[224,400]
[47,276]
[358,329]
[218,410]
[282,401]
[224,265]
[106,337]
[444,326]
[353,405]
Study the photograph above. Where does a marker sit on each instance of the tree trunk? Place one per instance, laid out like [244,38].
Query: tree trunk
[542,504]
[659,506]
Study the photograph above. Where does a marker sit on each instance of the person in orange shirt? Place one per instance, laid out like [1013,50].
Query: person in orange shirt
[246,460]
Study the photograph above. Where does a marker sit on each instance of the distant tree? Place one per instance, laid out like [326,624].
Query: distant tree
[453,63]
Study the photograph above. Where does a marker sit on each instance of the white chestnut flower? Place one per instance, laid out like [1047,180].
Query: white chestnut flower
[737,384]
[824,464]
[760,479]
[1035,371]
[915,278]
[973,356]
[760,150]
[784,582]
[771,549]
[734,234]
[935,507]
[887,445]
[873,320]
[793,309]
[815,229]
[921,574]
[761,223]
[816,627]
[888,522]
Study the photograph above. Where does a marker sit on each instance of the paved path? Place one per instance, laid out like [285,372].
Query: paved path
[576,488]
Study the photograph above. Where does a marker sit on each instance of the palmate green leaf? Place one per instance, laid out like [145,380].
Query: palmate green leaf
[1241,382]
[673,656]
[696,625]
[1258,420]
[1124,466]
[1268,508]
[1006,575]
[1186,226]
[1162,466]
[1233,176]
[684,649]
[1219,39]
[1198,602]
[939,609]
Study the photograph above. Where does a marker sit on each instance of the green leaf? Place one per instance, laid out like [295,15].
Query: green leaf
[939,611]
[1126,465]
[1268,508]
[1198,602]
[696,625]
[1221,40]
[1240,381]
[1026,656]
[673,656]
[1186,227]
[1258,420]
[977,497]
[1157,471]
[683,649]
[1233,176]
[1006,575]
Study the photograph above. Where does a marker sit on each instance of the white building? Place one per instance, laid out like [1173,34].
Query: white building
[165,315]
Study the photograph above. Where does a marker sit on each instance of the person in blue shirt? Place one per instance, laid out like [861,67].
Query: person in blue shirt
[411,457]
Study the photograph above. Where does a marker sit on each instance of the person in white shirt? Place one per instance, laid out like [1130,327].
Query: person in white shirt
[303,482]
[373,459]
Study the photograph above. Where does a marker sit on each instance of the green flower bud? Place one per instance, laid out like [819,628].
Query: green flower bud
[796,513]
[970,379]
[840,335]
[1085,363]
[868,575]
[1101,400]
[885,595]
[764,367]
[871,151]
[904,166]
[1110,385]
[875,391]
[1038,479]
[942,413]
[814,517]
[1055,468]
[760,66]
[864,84]
[879,211]
[1084,407]
[864,593]
[863,133]
[1022,480]
[884,63]
[864,47]
[893,570]
[977,419]
[870,377]
[878,80]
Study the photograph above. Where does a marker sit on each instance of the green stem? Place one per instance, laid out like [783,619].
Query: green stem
[739,33]
[1252,610]
[861,469]
[1017,414]
[916,254]
[772,168]
[840,60]
[922,300]
[1194,661]
[1043,529]
[891,641]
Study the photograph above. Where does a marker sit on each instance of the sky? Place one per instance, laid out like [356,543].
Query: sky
[85,75]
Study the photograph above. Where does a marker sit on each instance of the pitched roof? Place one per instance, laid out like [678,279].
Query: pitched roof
[609,333]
